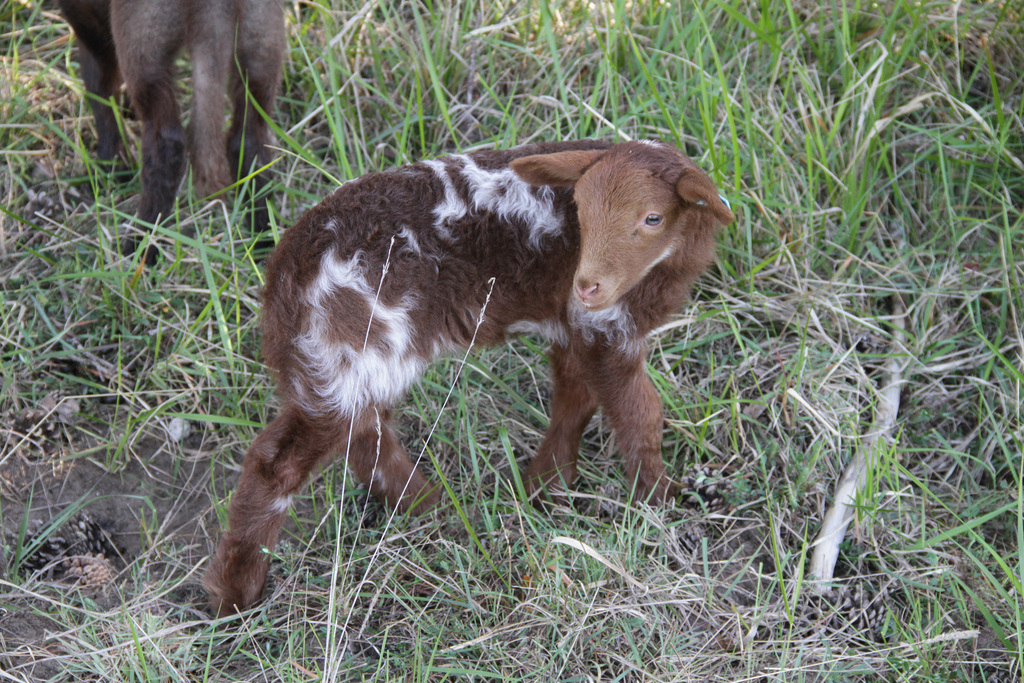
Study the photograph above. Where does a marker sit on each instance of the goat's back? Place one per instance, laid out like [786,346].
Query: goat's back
[419,246]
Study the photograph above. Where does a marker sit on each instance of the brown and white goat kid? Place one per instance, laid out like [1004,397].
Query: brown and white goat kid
[241,41]
[589,244]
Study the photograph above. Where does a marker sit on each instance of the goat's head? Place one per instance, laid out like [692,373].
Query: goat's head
[639,204]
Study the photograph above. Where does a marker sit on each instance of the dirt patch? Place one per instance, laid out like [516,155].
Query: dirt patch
[157,495]
[80,529]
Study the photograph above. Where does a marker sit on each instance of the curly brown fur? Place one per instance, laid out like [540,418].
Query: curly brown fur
[589,244]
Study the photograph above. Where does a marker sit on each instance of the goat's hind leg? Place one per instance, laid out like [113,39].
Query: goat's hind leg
[379,461]
[275,466]
[148,35]
[259,50]
[98,60]
[211,62]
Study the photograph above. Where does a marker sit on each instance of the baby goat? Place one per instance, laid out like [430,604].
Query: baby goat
[589,244]
[138,40]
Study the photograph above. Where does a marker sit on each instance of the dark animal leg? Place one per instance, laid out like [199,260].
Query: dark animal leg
[90,20]
[146,56]
[275,466]
[163,158]
[259,48]
[572,405]
[211,60]
[632,405]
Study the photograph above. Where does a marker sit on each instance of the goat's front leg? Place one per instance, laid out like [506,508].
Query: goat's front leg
[553,468]
[632,405]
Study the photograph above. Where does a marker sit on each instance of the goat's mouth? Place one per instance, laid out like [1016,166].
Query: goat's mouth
[596,303]
[597,292]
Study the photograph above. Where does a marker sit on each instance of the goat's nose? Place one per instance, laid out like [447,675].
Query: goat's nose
[586,290]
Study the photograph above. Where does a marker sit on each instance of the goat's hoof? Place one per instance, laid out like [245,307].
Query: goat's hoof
[661,493]
[130,245]
[234,581]
[546,495]
[226,601]
[426,499]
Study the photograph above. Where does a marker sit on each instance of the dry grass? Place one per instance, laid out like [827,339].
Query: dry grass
[870,152]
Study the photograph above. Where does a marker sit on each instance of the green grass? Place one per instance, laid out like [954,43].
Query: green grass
[870,150]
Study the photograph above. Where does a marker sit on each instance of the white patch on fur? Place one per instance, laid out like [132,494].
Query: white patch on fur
[552,330]
[377,478]
[503,193]
[411,243]
[633,346]
[281,505]
[336,274]
[651,143]
[348,379]
[614,322]
[442,346]
[664,255]
[451,207]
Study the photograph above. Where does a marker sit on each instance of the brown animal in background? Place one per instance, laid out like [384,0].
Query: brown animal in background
[588,244]
[138,40]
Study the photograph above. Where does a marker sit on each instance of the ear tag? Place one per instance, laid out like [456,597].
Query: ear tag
[725,201]
[702,203]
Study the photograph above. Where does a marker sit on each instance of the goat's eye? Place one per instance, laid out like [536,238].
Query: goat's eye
[653,220]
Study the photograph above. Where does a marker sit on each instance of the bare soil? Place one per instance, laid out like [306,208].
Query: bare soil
[155,508]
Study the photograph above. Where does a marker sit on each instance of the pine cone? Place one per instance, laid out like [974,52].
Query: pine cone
[89,569]
[80,536]
[704,488]
[851,608]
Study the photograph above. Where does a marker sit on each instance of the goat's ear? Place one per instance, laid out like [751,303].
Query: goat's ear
[695,187]
[558,169]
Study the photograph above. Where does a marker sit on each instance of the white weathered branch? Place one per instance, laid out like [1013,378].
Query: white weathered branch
[833,527]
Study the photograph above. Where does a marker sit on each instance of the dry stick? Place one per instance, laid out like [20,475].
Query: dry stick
[833,527]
